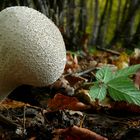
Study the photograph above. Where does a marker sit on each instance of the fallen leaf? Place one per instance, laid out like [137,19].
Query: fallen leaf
[63,86]
[78,133]
[123,106]
[137,80]
[122,61]
[135,57]
[71,63]
[8,103]
[83,95]
[60,102]
[75,80]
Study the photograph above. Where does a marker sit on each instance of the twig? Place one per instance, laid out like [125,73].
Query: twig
[108,50]
[82,72]
[24,119]
[7,122]
[86,71]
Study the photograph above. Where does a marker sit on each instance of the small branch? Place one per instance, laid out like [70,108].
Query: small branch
[86,71]
[82,72]
[7,122]
[24,119]
[108,50]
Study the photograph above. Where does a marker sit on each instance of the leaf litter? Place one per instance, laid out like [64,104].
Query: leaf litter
[64,109]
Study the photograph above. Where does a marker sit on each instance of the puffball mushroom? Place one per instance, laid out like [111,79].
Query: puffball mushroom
[32,49]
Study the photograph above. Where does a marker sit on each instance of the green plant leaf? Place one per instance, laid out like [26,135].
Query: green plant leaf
[105,74]
[98,91]
[127,71]
[123,89]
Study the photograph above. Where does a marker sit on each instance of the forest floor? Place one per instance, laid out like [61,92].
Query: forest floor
[66,111]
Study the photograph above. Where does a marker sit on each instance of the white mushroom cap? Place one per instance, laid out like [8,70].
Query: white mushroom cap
[32,49]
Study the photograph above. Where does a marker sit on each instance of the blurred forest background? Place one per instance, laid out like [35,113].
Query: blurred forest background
[86,24]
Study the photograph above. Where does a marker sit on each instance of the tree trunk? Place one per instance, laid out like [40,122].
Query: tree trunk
[129,23]
[82,21]
[39,5]
[118,15]
[107,21]
[95,23]
[100,35]
[82,16]
[70,25]
[2,5]
[135,42]
[124,30]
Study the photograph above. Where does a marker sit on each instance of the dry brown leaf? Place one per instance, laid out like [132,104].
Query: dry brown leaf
[78,133]
[63,86]
[8,103]
[75,81]
[83,95]
[71,64]
[123,106]
[65,102]
[122,61]
[137,79]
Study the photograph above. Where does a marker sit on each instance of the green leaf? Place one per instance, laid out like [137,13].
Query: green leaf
[123,89]
[98,91]
[105,74]
[127,71]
